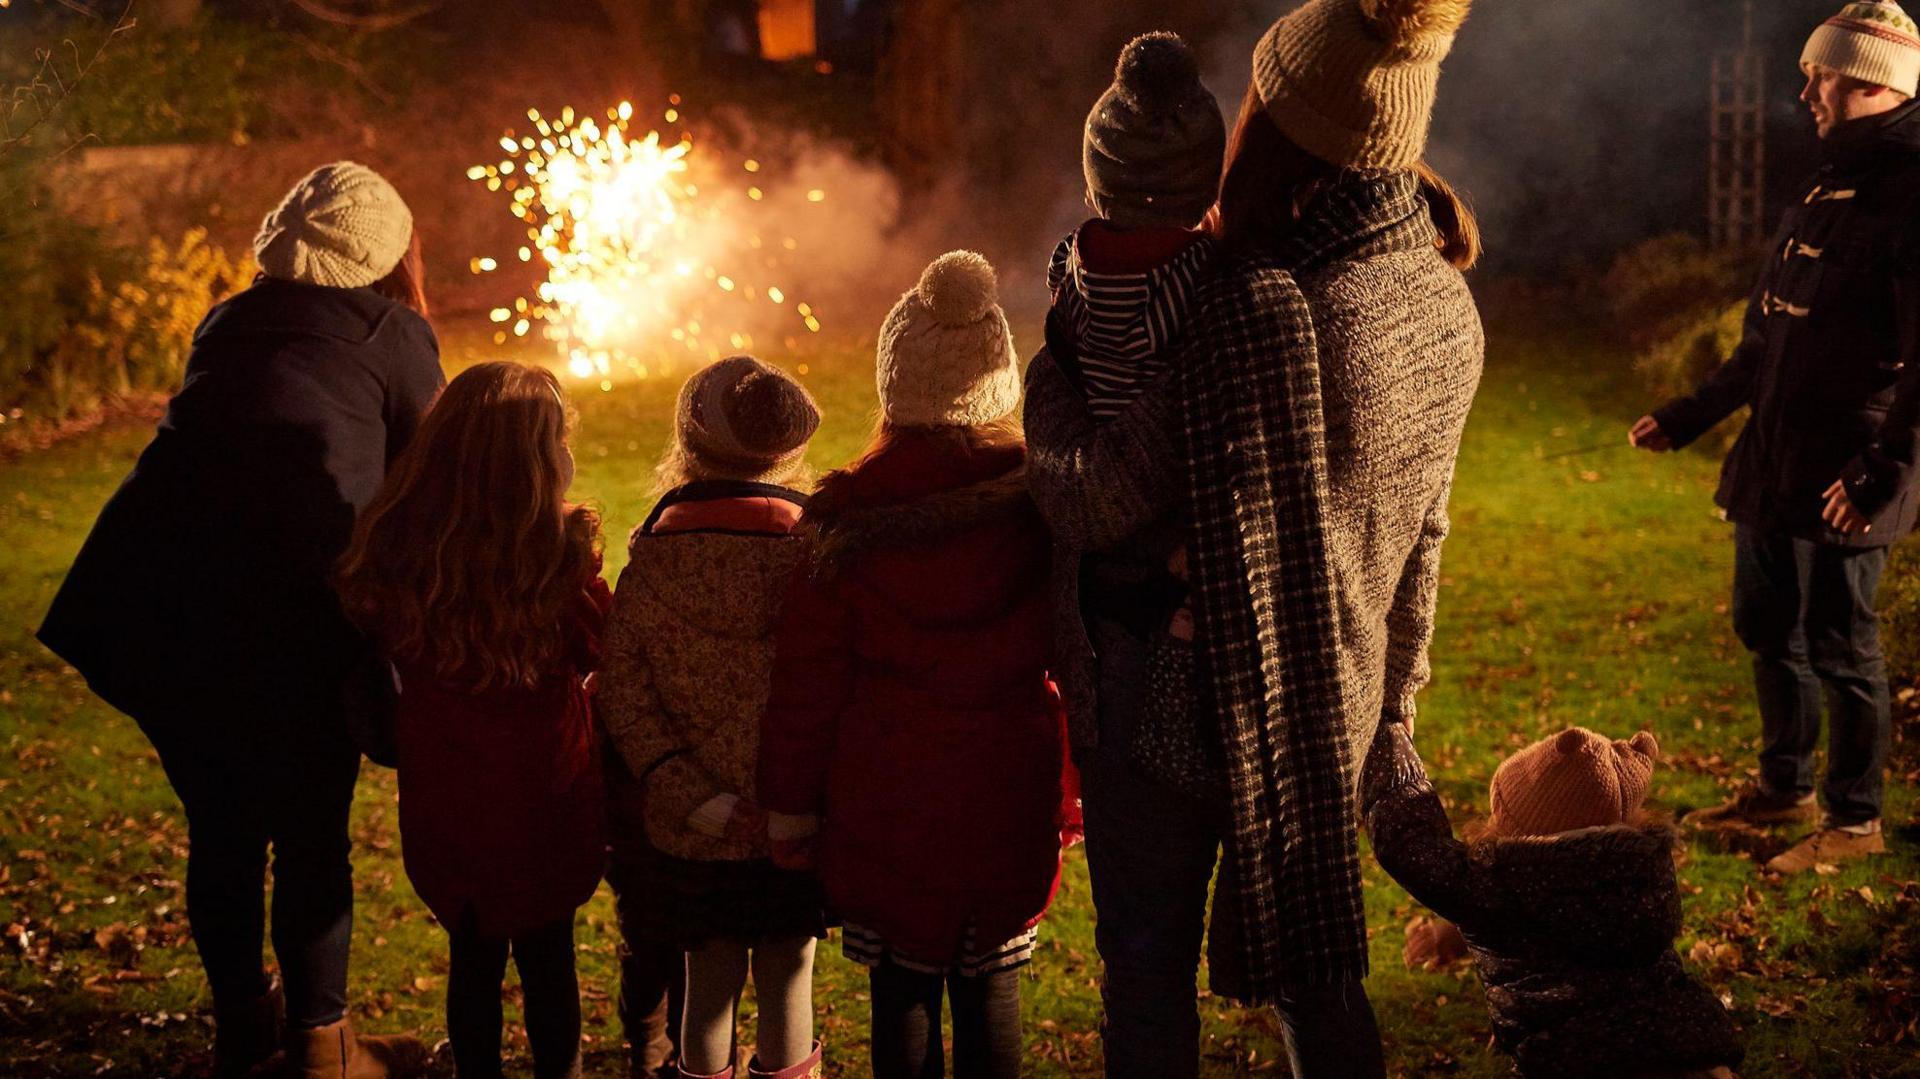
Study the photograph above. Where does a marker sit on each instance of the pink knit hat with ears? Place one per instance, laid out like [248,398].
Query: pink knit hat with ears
[1575,779]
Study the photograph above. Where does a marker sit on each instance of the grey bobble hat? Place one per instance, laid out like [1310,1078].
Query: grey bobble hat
[343,226]
[1154,142]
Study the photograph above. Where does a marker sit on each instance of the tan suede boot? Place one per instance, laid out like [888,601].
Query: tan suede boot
[1829,846]
[336,1052]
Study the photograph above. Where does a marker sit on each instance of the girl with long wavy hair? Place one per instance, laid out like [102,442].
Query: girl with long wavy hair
[481,583]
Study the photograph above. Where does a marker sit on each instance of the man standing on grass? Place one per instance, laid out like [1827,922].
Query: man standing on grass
[1823,479]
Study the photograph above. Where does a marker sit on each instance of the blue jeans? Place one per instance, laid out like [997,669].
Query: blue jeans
[1806,612]
[1150,854]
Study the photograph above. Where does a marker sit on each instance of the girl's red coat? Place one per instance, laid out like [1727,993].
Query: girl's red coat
[910,704]
[501,799]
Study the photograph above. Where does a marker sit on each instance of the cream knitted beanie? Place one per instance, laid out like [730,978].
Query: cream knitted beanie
[1575,779]
[343,226]
[946,354]
[742,419]
[1353,81]
[1871,40]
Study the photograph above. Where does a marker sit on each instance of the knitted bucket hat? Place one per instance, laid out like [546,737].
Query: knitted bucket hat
[946,354]
[343,226]
[1871,40]
[1575,779]
[1353,81]
[741,419]
[1154,142]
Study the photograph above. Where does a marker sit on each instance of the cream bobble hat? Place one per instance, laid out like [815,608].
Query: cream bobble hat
[946,354]
[1353,81]
[1871,40]
[343,226]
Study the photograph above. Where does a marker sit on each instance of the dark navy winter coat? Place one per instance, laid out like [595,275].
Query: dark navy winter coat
[1830,359]
[206,574]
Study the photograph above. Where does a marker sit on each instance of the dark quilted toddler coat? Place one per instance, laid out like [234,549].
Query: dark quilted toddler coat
[1571,933]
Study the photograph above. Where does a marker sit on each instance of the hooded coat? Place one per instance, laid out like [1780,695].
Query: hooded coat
[1571,933]
[1829,359]
[208,570]
[910,705]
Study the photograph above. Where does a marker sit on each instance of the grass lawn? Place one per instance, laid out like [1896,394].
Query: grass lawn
[1580,588]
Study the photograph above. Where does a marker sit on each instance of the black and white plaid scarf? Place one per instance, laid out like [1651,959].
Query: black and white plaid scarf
[1263,594]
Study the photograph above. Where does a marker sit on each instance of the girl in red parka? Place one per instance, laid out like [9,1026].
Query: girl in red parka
[911,718]
[482,584]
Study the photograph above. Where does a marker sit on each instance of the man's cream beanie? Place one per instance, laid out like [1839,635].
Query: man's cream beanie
[1871,40]
[343,226]
[1352,81]
[946,355]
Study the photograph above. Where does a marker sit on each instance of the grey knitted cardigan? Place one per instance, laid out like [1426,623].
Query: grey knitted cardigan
[1395,349]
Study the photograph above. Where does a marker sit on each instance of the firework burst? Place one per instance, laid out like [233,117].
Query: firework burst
[640,268]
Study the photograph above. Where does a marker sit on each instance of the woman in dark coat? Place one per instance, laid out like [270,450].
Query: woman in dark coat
[200,604]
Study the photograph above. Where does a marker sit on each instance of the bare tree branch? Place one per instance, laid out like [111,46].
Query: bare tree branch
[371,20]
[49,89]
[354,69]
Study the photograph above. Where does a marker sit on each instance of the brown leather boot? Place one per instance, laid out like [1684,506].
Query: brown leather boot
[810,1068]
[336,1052]
[246,1036]
[1755,807]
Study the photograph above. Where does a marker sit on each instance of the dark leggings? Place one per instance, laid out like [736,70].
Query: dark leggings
[252,777]
[477,965]
[906,1023]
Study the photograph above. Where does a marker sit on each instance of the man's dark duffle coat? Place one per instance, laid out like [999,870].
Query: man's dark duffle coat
[1828,357]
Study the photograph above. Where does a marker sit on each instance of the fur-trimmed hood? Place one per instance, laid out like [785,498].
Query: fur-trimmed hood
[842,530]
[964,554]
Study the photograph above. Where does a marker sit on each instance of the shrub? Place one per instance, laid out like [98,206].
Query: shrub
[121,335]
[133,335]
[1692,347]
[1900,611]
[1660,287]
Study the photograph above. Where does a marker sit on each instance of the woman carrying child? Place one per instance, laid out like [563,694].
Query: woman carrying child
[482,584]
[911,713]
[689,652]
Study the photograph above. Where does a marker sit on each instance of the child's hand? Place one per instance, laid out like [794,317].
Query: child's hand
[748,822]
[1432,944]
[1180,628]
[793,854]
[1177,562]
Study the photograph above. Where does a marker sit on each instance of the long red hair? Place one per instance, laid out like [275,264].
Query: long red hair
[1269,183]
[407,281]
[470,555]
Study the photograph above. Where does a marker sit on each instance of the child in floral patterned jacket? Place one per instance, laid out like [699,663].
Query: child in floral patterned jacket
[689,651]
